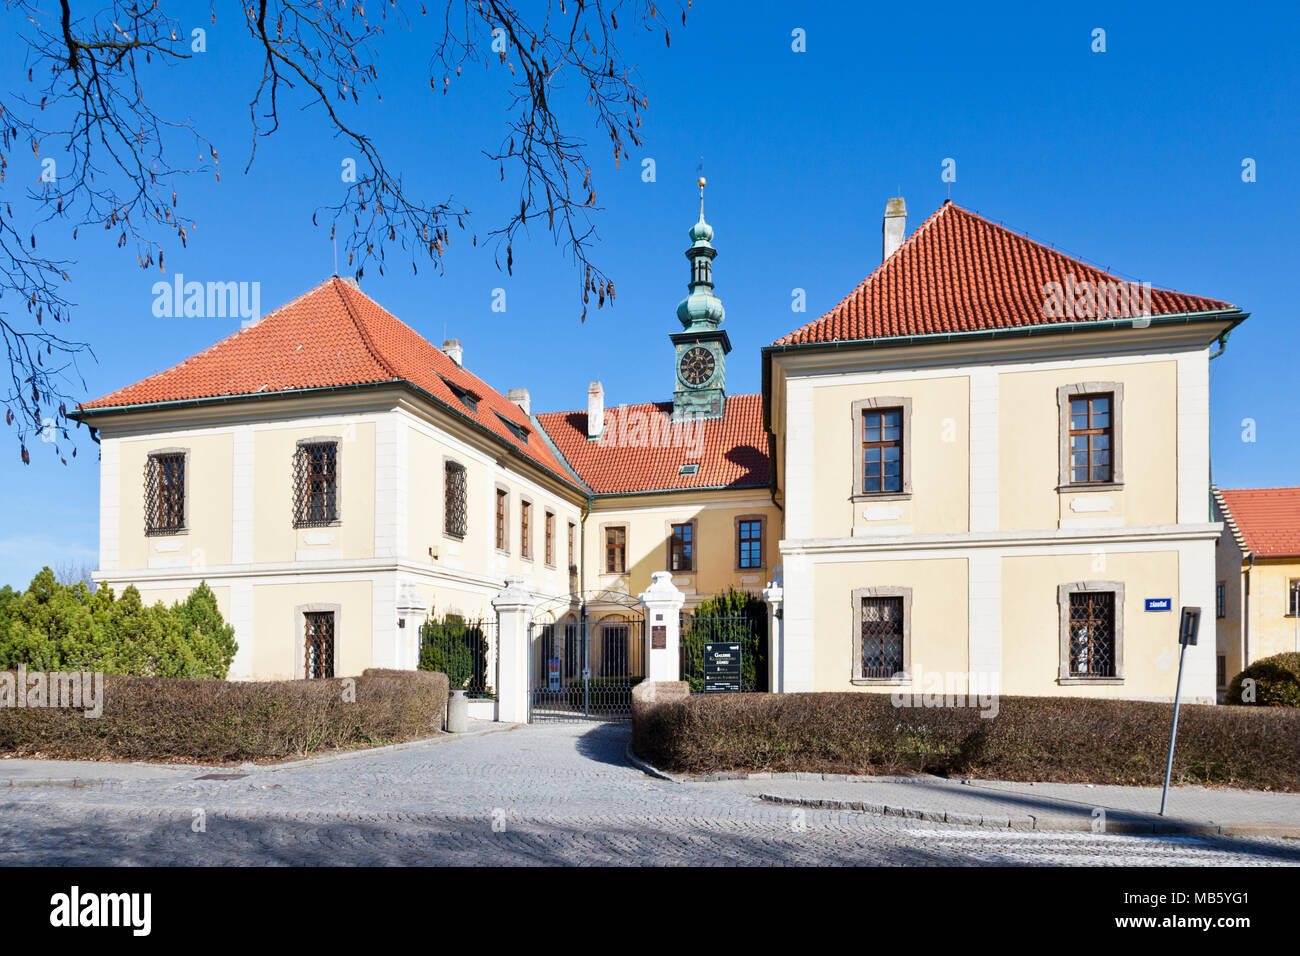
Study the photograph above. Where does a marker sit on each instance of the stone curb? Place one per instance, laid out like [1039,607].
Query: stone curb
[181,770]
[1031,822]
[764,775]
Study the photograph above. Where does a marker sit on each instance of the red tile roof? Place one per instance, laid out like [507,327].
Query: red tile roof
[333,335]
[961,273]
[642,451]
[1266,520]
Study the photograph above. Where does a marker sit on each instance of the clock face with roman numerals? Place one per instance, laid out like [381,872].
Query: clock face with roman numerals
[696,366]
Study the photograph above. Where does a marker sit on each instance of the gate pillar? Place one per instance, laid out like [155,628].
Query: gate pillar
[663,606]
[514,606]
[774,595]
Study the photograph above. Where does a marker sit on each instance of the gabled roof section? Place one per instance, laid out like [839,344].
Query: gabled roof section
[335,336]
[642,450]
[958,272]
[1266,521]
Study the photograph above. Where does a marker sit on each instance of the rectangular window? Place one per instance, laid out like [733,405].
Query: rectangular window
[1221,670]
[502,543]
[1220,600]
[1090,438]
[681,548]
[882,637]
[164,505]
[882,451]
[573,650]
[526,530]
[319,633]
[316,485]
[614,650]
[616,550]
[454,500]
[1293,597]
[1092,634]
[550,538]
[573,565]
[749,543]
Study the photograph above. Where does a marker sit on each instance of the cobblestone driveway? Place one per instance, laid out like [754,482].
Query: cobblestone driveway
[546,794]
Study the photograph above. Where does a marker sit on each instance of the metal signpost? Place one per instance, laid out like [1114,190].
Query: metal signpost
[1187,630]
[722,667]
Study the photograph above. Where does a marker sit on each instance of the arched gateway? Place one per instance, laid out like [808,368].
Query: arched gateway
[587,651]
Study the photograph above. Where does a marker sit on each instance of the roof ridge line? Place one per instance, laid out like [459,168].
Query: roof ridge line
[339,287]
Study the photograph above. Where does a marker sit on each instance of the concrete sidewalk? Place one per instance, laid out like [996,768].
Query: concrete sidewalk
[1032,806]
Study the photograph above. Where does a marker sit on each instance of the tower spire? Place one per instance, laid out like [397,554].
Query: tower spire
[701,309]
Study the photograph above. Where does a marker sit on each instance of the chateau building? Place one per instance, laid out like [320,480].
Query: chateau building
[988,463]
[1257,591]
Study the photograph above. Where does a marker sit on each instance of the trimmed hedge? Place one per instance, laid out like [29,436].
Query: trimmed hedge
[1060,739]
[1277,682]
[208,721]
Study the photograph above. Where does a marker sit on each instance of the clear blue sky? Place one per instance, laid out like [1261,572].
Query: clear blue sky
[1130,159]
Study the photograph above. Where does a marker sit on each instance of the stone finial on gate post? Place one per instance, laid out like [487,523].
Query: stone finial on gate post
[663,606]
[514,607]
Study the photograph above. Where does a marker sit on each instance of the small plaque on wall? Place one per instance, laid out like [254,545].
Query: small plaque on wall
[659,637]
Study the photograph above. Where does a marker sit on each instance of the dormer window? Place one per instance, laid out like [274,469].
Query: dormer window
[467,398]
[519,431]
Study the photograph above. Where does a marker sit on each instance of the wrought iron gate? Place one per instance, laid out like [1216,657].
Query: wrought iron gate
[586,658]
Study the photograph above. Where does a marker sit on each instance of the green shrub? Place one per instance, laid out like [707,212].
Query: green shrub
[56,627]
[207,721]
[736,616]
[1277,682]
[458,649]
[1062,739]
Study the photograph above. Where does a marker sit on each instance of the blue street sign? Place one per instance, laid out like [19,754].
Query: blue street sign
[1160,604]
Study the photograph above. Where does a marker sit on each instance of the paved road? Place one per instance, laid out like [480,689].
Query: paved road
[546,794]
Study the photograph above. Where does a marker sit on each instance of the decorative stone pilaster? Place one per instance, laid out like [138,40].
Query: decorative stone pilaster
[774,595]
[514,607]
[663,607]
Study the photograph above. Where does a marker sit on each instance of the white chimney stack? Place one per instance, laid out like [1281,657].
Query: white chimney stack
[595,410]
[895,228]
[453,350]
[520,397]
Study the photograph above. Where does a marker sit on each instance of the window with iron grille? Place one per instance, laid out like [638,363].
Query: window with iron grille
[453,507]
[681,548]
[615,646]
[882,637]
[1221,670]
[1293,597]
[319,644]
[526,530]
[882,451]
[749,543]
[164,493]
[315,499]
[1220,600]
[502,541]
[615,550]
[549,553]
[1092,634]
[1090,438]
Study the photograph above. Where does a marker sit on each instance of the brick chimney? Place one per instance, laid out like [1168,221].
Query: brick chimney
[595,410]
[895,227]
[453,350]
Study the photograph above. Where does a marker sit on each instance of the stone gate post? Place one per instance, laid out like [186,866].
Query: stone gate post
[774,595]
[663,606]
[514,607]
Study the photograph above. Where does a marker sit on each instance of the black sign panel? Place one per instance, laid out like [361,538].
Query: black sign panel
[722,668]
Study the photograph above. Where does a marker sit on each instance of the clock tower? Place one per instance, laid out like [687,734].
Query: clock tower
[701,346]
